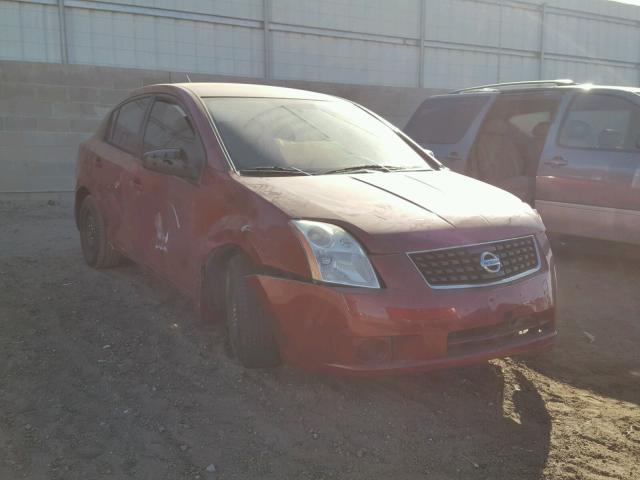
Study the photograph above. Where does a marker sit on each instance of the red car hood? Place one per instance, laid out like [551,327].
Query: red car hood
[402,212]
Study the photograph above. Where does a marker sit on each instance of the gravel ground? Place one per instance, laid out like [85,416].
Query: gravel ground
[111,375]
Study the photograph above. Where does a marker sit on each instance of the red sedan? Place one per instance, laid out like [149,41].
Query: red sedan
[323,235]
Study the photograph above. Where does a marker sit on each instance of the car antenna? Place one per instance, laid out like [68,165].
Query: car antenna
[188,77]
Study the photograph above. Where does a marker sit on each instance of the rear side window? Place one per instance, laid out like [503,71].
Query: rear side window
[601,122]
[169,127]
[444,120]
[125,131]
[527,122]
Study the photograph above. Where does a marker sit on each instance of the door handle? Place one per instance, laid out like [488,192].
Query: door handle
[556,162]
[98,162]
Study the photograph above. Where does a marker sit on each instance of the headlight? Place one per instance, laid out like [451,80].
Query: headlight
[335,256]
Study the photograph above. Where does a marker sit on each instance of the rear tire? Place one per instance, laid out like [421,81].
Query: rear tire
[96,248]
[250,330]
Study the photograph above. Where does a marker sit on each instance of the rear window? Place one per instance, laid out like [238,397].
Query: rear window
[444,120]
[125,131]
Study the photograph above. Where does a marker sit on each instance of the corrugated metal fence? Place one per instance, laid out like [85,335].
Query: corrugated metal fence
[404,43]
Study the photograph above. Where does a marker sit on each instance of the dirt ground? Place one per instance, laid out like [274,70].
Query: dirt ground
[111,375]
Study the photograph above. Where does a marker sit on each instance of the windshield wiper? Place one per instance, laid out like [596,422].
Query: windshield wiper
[274,169]
[376,167]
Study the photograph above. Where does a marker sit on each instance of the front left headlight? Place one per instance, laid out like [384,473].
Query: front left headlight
[335,256]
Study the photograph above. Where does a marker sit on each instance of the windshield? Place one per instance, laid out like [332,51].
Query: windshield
[308,136]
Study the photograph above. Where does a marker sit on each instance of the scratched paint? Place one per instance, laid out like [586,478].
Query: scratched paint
[162,235]
[175,214]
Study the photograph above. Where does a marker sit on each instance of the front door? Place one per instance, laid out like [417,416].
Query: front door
[589,179]
[168,205]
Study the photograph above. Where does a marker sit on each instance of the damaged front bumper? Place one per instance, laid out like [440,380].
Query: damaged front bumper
[410,329]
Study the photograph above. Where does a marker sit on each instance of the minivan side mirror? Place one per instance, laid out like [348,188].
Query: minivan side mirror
[169,161]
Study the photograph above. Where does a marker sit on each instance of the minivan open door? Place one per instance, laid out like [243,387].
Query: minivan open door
[447,125]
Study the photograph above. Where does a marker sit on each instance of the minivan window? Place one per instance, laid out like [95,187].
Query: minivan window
[125,132]
[169,127]
[311,136]
[527,122]
[602,122]
[444,120]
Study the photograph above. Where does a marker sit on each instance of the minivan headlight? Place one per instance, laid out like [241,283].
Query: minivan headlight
[335,256]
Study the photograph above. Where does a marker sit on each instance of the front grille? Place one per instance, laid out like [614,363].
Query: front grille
[462,267]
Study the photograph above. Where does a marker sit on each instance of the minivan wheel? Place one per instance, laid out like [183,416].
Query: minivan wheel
[250,330]
[96,249]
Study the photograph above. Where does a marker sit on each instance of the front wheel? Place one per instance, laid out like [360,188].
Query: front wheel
[250,330]
[96,249]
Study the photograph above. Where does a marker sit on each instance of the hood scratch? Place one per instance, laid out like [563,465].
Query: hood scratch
[406,199]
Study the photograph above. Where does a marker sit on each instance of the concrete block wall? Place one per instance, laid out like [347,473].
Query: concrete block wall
[47,109]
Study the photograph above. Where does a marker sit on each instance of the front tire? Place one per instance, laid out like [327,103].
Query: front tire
[250,330]
[96,248]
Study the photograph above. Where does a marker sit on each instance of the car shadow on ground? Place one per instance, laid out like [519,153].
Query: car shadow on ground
[487,421]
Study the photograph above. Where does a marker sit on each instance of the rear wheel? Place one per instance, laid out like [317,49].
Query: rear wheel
[250,330]
[96,249]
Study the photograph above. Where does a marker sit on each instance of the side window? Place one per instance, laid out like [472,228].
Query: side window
[127,123]
[169,127]
[444,120]
[602,122]
[527,122]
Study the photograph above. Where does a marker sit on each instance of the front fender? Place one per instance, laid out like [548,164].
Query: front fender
[273,248]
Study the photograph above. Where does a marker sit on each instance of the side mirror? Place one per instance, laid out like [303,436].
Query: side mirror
[169,161]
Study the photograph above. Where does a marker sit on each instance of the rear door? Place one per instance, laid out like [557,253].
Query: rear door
[116,165]
[589,178]
[448,124]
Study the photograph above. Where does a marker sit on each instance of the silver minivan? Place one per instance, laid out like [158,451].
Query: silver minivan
[571,150]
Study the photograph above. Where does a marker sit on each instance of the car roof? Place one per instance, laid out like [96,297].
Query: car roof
[215,89]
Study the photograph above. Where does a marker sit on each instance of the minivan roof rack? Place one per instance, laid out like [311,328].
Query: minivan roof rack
[562,82]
